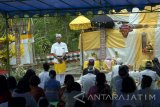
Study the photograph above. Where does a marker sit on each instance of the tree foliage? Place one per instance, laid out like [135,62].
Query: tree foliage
[44,30]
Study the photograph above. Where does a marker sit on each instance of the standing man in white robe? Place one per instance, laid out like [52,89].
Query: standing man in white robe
[59,50]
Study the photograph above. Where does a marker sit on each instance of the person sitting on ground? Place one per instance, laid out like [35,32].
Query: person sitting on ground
[115,74]
[69,79]
[5,94]
[36,91]
[149,72]
[68,97]
[29,73]
[146,91]
[12,83]
[101,88]
[52,87]
[115,68]
[91,67]
[88,80]
[22,90]
[128,90]
[44,76]
[135,74]
[123,73]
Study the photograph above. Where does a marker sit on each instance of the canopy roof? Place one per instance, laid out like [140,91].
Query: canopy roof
[52,7]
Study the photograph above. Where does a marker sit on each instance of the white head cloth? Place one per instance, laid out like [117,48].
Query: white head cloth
[58,35]
[119,61]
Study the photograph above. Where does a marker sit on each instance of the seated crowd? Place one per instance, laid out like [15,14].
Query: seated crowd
[91,90]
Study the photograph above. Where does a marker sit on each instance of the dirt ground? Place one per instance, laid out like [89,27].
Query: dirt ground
[74,69]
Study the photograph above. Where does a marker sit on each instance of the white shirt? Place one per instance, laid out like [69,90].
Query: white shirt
[115,71]
[44,77]
[59,49]
[108,77]
[150,73]
[118,85]
[87,81]
[136,76]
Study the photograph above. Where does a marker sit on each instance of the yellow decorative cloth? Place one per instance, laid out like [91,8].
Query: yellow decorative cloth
[96,64]
[26,36]
[139,55]
[12,38]
[91,40]
[114,39]
[144,62]
[60,68]
[145,19]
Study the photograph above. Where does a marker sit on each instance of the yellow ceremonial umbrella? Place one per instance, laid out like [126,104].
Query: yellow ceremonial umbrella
[80,23]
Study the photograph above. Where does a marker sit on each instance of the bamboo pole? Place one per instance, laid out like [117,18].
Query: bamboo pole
[7,41]
[17,46]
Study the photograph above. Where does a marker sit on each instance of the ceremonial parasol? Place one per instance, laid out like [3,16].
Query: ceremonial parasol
[102,22]
[80,23]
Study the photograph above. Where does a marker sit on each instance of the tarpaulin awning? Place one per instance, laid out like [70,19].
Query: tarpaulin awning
[22,8]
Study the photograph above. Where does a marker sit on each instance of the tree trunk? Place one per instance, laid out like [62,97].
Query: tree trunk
[102,44]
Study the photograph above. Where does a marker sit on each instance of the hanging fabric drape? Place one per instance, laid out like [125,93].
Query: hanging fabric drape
[91,40]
